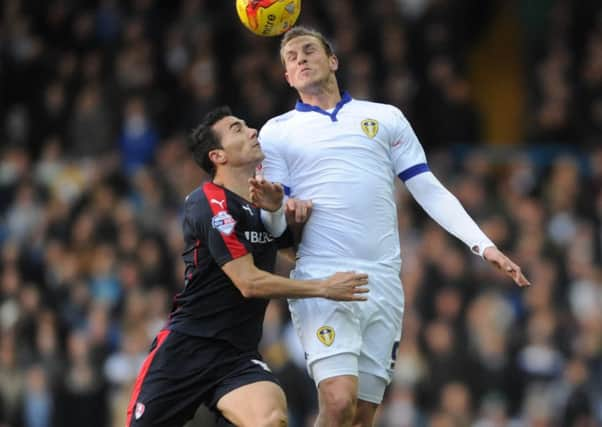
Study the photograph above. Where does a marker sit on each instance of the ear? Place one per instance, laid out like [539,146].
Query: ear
[333,62]
[217,157]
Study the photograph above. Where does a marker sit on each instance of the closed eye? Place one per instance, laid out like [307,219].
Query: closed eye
[236,127]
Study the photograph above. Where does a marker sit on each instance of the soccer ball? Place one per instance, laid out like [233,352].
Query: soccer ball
[268,17]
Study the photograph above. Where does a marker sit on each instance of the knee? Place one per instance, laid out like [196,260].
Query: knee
[338,405]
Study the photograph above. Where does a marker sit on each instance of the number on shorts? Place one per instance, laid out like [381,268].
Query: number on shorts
[394,354]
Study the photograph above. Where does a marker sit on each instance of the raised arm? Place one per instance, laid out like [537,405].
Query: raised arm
[276,210]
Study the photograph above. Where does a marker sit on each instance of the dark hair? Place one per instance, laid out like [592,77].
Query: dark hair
[305,31]
[203,138]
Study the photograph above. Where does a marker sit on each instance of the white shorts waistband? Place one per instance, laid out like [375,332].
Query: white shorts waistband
[330,265]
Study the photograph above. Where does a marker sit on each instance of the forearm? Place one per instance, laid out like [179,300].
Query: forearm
[274,222]
[444,207]
[262,284]
[255,283]
[285,262]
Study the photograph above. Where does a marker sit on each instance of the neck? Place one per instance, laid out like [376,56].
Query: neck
[235,179]
[325,95]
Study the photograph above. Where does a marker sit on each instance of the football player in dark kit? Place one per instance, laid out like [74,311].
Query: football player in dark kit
[207,352]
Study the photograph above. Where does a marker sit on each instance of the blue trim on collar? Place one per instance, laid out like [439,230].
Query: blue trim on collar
[345,98]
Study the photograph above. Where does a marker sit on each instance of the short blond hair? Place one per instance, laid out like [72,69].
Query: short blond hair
[300,31]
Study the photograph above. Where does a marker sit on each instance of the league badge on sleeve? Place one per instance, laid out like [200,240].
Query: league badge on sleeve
[223,222]
[326,335]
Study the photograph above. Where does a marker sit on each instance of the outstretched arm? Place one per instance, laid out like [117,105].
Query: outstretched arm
[255,283]
[447,210]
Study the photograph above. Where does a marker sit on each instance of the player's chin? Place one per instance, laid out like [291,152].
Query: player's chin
[303,83]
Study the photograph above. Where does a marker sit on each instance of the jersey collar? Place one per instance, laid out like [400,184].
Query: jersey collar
[345,98]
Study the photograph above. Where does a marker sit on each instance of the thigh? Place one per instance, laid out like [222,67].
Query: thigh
[183,372]
[252,403]
[381,334]
[335,366]
[339,387]
[380,341]
[326,328]
[168,389]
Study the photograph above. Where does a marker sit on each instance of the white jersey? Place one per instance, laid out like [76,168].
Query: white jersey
[345,161]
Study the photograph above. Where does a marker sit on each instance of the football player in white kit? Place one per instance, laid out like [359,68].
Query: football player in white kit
[344,154]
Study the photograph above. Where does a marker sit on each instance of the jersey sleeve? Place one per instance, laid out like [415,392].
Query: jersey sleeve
[406,151]
[274,166]
[285,240]
[218,232]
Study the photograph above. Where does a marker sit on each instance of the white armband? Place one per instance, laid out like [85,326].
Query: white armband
[274,222]
[446,209]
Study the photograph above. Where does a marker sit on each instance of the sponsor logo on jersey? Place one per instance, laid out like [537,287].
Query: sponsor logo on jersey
[223,222]
[370,127]
[326,335]
[218,202]
[248,209]
[139,410]
[258,236]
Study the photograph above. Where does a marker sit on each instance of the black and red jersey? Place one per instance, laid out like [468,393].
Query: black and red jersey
[220,226]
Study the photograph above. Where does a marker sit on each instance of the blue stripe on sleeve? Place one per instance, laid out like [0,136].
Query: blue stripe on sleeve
[287,190]
[413,171]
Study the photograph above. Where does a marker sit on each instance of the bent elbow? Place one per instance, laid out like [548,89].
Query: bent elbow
[248,288]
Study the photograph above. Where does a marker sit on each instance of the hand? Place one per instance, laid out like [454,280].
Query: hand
[265,194]
[347,286]
[297,211]
[504,264]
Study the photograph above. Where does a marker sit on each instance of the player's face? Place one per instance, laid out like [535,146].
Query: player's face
[306,62]
[240,146]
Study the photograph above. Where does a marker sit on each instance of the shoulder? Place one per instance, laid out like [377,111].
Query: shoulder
[283,117]
[274,127]
[195,196]
[389,117]
[196,202]
[383,111]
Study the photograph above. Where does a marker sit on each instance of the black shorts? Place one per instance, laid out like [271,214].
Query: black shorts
[182,372]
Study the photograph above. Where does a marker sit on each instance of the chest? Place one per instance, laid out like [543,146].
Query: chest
[249,226]
[353,137]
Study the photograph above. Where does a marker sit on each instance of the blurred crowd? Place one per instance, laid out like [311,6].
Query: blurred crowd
[96,99]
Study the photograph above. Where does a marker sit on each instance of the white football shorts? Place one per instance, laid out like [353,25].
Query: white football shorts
[351,338]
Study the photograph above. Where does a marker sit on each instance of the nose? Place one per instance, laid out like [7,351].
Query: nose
[252,133]
[301,59]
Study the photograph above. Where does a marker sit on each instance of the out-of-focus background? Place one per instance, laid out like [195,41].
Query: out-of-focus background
[96,100]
